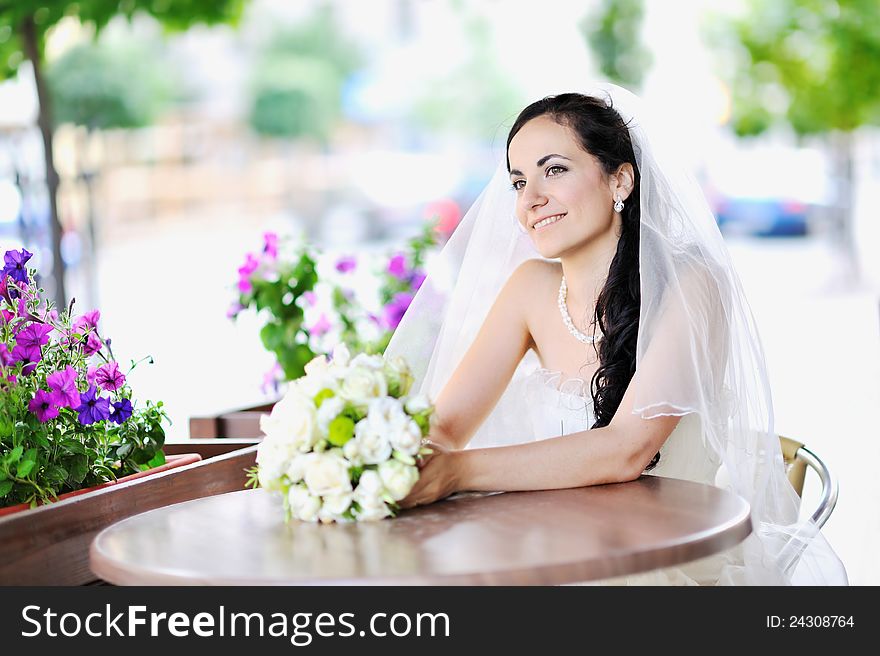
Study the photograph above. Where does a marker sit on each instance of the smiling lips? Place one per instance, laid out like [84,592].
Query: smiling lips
[543,223]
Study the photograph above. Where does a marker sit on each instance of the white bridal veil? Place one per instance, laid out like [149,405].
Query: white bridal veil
[698,352]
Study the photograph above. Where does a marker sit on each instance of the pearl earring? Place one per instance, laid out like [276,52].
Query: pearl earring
[618,204]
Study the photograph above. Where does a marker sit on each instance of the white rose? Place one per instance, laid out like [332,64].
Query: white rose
[374,362]
[317,366]
[293,420]
[329,410]
[372,513]
[327,474]
[370,489]
[341,355]
[418,404]
[297,467]
[273,457]
[398,478]
[388,413]
[360,385]
[352,453]
[333,507]
[373,445]
[407,439]
[303,506]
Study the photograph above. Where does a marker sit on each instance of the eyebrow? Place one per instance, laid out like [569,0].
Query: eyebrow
[540,162]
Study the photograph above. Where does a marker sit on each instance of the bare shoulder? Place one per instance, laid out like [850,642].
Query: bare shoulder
[536,274]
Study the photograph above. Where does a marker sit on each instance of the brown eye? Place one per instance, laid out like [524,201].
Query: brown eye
[561,169]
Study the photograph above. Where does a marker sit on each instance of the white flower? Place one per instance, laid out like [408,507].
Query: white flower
[398,478]
[351,451]
[418,404]
[317,366]
[327,474]
[333,507]
[407,439]
[370,489]
[297,467]
[398,371]
[329,410]
[293,420]
[361,384]
[372,443]
[374,362]
[372,513]
[341,355]
[388,413]
[303,506]
[273,457]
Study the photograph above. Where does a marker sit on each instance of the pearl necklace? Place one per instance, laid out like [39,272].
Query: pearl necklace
[566,319]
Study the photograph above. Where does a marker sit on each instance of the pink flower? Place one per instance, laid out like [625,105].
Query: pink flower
[93,344]
[346,264]
[245,271]
[34,335]
[397,266]
[310,297]
[109,377]
[321,326]
[270,244]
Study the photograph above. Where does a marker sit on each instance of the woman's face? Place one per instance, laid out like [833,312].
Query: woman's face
[555,178]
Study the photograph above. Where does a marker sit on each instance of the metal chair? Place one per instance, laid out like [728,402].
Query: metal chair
[797,457]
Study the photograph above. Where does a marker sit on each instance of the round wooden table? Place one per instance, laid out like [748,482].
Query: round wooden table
[516,538]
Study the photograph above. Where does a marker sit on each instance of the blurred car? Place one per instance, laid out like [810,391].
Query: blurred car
[762,217]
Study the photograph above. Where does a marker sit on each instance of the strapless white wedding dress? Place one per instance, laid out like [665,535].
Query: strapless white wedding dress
[561,407]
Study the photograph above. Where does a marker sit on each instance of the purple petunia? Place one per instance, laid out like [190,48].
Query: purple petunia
[43,406]
[346,264]
[109,377]
[93,408]
[394,311]
[5,356]
[34,335]
[397,266]
[15,264]
[88,321]
[63,386]
[29,356]
[93,344]
[121,411]
[416,280]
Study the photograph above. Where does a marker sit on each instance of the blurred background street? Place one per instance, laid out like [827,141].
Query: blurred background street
[349,125]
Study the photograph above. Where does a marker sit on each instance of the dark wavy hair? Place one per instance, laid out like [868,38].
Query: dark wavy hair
[604,134]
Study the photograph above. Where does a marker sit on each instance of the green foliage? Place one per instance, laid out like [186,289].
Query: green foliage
[613,32]
[814,64]
[101,86]
[298,81]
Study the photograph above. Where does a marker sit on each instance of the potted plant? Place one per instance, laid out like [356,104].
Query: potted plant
[77,450]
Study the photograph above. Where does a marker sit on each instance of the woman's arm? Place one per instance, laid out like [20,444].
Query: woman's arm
[615,453]
[487,367]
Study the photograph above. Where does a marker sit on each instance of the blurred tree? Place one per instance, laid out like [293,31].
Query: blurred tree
[102,85]
[472,97]
[813,65]
[24,27]
[613,32]
[297,84]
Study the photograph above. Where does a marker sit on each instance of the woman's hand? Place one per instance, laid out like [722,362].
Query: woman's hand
[438,476]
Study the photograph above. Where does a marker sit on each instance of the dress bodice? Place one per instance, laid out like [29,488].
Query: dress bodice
[561,406]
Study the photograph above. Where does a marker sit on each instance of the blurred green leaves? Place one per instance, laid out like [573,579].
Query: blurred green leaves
[613,32]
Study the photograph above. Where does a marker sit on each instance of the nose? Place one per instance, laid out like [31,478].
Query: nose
[533,197]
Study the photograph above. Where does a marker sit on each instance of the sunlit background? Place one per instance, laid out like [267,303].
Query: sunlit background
[349,124]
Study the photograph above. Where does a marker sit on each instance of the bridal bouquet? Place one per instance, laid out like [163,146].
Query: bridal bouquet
[341,444]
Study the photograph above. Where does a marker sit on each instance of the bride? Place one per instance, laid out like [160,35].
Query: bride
[584,325]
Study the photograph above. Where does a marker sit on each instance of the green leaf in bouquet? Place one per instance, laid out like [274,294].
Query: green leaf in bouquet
[354,472]
[341,430]
[5,488]
[403,457]
[423,419]
[321,396]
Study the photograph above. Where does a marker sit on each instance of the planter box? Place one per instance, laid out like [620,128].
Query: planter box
[238,423]
[49,545]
